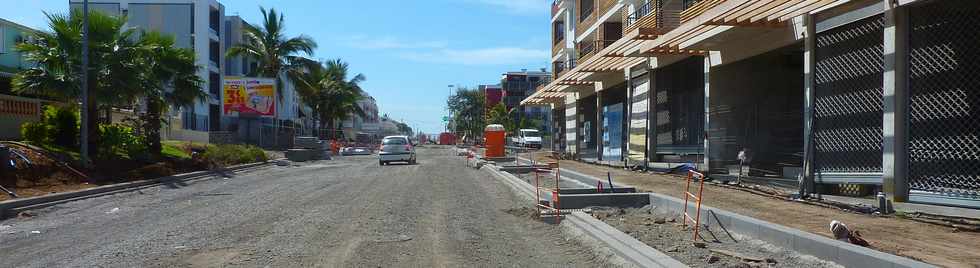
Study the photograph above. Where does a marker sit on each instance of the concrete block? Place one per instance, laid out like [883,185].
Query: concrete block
[850,258]
[810,244]
[595,191]
[307,143]
[745,226]
[300,155]
[777,236]
[623,200]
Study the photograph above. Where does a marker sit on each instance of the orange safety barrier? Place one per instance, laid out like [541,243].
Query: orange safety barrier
[688,195]
[555,193]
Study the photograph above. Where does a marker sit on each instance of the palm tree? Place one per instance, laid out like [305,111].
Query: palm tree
[343,92]
[326,88]
[170,79]
[274,52]
[113,63]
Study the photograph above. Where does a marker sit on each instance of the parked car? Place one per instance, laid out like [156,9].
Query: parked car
[355,151]
[396,149]
[528,138]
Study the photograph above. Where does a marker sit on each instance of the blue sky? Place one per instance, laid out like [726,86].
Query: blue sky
[410,50]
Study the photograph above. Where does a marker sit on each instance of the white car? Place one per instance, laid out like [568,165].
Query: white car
[396,149]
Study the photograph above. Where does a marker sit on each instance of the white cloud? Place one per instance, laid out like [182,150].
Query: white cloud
[519,6]
[482,56]
[388,42]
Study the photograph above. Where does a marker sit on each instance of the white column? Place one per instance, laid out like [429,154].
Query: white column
[809,82]
[895,96]
[707,109]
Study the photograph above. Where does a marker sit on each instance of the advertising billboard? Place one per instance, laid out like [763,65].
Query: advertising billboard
[250,96]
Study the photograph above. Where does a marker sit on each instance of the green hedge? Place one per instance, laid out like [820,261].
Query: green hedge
[232,154]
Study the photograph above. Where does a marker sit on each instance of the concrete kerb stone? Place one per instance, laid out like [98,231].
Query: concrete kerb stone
[6,207]
[627,249]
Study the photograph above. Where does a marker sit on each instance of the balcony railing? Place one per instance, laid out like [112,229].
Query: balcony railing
[650,14]
[555,6]
[693,8]
[587,49]
[690,3]
[559,68]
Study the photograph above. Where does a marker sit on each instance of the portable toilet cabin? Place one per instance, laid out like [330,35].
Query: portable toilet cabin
[495,140]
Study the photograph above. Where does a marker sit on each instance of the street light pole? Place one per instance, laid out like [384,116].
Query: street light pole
[85,116]
[450,111]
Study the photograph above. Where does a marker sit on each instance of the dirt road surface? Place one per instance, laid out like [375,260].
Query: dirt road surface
[348,212]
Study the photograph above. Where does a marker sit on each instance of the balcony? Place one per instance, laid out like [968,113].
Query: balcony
[557,47]
[589,48]
[589,14]
[651,19]
[555,7]
[560,67]
[693,8]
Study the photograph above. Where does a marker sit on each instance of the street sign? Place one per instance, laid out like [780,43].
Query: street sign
[445,119]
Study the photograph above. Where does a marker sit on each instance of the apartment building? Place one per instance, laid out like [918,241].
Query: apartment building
[195,24]
[369,124]
[517,86]
[14,110]
[492,94]
[861,94]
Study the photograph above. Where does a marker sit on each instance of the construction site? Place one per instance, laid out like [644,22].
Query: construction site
[797,113]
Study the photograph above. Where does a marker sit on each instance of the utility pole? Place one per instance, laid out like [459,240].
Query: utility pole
[85,96]
[448,122]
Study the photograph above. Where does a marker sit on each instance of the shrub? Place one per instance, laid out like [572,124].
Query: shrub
[231,154]
[64,123]
[58,125]
[35,132]
[117,139]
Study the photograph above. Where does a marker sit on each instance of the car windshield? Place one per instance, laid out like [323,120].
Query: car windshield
[394,141]
[530,133]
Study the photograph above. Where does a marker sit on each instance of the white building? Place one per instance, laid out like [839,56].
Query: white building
[180,18]
[368,124]
[195,24]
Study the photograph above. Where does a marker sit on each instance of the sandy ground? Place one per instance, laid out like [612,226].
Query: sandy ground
[665,233]
[347,212]
[930,243]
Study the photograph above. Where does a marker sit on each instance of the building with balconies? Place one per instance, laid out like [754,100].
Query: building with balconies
[517,86]
[195,24]
[860,94]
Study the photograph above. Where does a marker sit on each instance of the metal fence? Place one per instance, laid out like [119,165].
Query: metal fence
[847,119]
[677,111]
[944,98]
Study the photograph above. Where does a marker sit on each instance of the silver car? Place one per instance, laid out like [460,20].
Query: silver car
[396,149]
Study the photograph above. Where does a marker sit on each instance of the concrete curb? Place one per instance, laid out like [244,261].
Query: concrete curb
[845,254]
[627,248]
[9,207]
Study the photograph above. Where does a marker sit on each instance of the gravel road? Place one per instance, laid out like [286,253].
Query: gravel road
[347,212]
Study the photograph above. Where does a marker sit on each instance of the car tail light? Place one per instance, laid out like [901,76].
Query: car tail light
[408,147]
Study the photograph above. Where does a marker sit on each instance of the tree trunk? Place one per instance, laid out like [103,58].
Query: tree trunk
[92,108]
[330,128]
[151,128]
